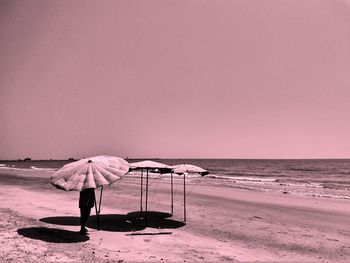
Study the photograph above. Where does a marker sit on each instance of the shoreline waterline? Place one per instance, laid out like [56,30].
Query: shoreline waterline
[337,187]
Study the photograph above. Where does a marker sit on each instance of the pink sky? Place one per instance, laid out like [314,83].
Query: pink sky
[193,78]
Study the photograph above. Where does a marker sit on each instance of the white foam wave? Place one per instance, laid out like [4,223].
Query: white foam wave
[42,169]
[162,176]
[190,175]
[14,168]
[254,179]
[332,196]
[27,169]
[241,178]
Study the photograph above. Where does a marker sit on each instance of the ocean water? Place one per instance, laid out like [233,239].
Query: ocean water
[335,171]
[324,173]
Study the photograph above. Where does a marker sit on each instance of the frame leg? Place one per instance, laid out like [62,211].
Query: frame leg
[172,194]
[141,193]
[146,208]
[184,198]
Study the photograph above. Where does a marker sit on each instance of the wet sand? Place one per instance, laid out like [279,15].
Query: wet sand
[39,223]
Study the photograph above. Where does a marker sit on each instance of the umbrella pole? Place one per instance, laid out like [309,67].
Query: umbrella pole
[141,192]
[99,206]
[146,197]
[98,210]
[97,219]
[184,197]
[172,195]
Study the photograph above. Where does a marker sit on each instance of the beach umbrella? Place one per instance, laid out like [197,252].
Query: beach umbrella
[93,172]
[189,168]
[185,169]
[148,166]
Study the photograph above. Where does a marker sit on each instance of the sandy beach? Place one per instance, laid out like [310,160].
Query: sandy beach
[40,223]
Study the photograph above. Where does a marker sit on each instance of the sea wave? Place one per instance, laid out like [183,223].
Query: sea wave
[242,178]
[42,169]
[332,196]
[162,176]
[247,174]
[306,169]
[13,168]
[285,186]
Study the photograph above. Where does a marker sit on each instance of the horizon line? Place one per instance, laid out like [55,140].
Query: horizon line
[28,159]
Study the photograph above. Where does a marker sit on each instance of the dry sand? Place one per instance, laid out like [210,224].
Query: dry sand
[39,223]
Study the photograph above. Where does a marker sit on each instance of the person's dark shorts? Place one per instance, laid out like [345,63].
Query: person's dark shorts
[87,198]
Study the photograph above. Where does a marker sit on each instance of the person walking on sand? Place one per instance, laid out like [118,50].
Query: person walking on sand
[86,202]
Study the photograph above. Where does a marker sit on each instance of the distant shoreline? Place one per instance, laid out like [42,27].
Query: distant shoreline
[238,159]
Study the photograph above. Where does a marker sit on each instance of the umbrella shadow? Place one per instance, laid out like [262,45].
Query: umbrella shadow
[164,224]
[114,223]
[150,214]
[62,220]
[155,219]
[108,222]
[52,235]
[119,222]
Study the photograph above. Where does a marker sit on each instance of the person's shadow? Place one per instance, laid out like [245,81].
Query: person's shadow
[52,235]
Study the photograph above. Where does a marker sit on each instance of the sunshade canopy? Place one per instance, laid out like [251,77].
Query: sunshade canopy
[189,168]
[90,172]
[151,165]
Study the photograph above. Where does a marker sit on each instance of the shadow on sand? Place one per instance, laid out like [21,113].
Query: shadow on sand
[52,235]
[155,219]
[114,222]
[120,223]
[150,214]
[62,220]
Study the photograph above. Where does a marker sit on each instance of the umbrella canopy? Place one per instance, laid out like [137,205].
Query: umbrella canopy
[90,172]
[151,165]
[189,168]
